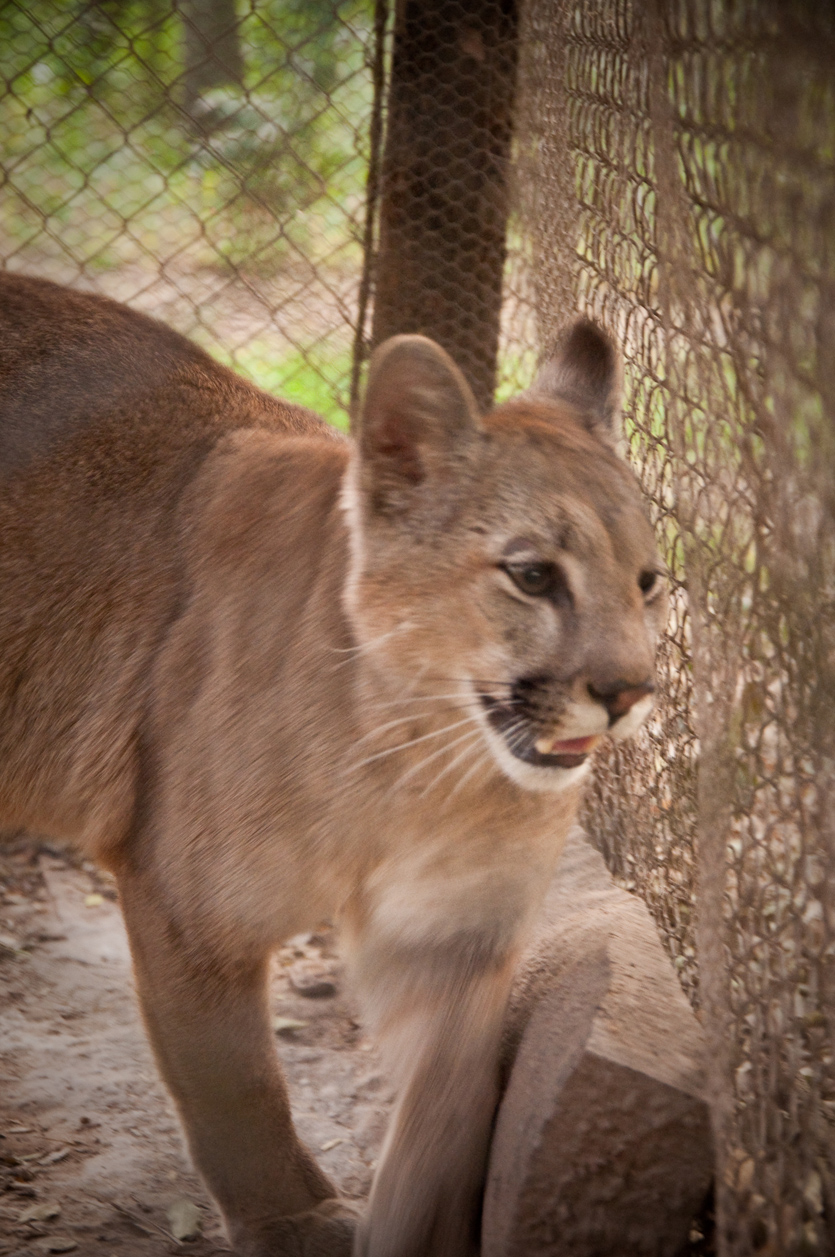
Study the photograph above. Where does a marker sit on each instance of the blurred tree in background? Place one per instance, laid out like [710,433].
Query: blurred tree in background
[166,150]
[212,51]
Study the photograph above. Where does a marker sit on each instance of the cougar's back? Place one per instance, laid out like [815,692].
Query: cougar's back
[70,361]
[105,418]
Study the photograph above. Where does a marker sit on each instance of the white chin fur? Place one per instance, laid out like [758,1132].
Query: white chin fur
[634,718]
[585,721]
[529,777]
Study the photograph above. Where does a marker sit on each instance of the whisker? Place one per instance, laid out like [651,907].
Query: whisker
[416,768]
[363,648]
[468,750]
[391,724]
[425,698]
[401,720]
[391,750]
[514,734]
[483,758]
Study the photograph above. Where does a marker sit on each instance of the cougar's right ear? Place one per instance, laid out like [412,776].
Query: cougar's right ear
[418,421]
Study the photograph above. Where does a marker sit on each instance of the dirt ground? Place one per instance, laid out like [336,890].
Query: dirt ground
[91,1156]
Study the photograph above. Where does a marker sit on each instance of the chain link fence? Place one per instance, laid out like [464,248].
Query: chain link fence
[204,161]
[677,177]
[225,166]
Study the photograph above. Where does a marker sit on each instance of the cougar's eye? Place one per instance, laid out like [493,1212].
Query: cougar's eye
[538,580]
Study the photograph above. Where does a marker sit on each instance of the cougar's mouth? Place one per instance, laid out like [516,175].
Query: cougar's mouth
[531,745]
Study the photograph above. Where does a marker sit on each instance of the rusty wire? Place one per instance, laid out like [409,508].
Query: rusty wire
[211,174]
[674,177]
[685,151]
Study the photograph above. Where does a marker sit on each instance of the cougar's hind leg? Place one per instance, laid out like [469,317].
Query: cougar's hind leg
[207,1018]
[438,1013]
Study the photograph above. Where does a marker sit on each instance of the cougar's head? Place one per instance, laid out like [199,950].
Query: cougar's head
[503,566]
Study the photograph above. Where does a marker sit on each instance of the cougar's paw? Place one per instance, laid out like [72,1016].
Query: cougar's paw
[325,1231]
[328,1230]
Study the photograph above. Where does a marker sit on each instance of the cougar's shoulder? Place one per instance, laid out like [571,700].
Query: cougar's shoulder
[72,360]
[106,417]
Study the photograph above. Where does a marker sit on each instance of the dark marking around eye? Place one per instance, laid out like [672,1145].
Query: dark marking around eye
[540,579]
[646,581]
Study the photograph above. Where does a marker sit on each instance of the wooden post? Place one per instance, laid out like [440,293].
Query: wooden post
[444,205]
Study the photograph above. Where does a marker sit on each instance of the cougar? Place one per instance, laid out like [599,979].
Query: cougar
[268,675]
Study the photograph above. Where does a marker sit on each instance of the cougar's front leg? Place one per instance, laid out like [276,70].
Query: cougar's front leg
[438,1012]
[207,1017]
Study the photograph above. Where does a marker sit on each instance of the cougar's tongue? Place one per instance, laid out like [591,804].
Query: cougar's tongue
[572,746]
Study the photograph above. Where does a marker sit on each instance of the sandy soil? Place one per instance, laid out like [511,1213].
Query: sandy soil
[91,1156]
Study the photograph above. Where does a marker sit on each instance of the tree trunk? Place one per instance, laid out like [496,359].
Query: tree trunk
[212,52]
[443,212]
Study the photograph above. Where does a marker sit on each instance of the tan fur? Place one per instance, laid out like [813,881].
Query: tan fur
[240,665]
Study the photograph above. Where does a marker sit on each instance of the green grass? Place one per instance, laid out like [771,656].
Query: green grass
[104,174]
[316,379]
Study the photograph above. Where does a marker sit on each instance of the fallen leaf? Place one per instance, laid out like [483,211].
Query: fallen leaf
[331,1144]
[40,1213]
[93,901]
[52,1158]
[184,1219]
[54,1244]
[20,1130]
[282,1024]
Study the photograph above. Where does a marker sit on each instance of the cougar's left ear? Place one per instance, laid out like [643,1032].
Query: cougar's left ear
[584,370]
[418,423]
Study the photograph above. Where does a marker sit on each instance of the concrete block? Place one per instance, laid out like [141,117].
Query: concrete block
[602,1146]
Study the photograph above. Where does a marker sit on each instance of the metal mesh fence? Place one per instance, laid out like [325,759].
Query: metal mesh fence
[210,162]
[443,204]
[203,160]
[676,169]
[674,177]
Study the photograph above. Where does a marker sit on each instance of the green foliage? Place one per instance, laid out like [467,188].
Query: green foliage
[318,379]
[94,111]
[108,172]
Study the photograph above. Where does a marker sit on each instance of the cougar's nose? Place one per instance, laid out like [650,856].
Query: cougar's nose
[620,697]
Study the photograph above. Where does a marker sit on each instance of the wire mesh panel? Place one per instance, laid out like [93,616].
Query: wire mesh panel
[686,153]
[204,160]
[443,206]
[207,160]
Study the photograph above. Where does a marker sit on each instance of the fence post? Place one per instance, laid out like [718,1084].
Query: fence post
[444,205]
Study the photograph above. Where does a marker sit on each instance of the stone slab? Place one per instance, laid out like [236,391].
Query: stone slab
[602,1142]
